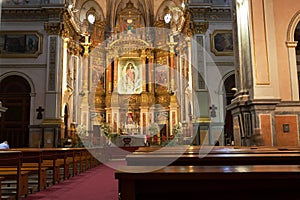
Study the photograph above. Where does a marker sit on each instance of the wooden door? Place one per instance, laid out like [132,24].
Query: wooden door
[15,95]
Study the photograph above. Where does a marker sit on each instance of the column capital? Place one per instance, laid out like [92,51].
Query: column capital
[291,44]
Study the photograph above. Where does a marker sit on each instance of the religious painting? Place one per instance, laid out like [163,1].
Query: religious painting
[222,43]
[98,72]
[130,76]
[20,44]
[162,76]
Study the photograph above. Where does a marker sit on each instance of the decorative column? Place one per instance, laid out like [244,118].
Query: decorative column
[293,69]
[52,124]
[173,99]
[109,75]
[85,114]
[172,65]
[115,73]
[143,56]
[150,74]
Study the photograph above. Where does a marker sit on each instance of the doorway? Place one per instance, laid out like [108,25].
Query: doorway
[15,95]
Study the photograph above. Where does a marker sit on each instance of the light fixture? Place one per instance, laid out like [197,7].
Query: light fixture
[91,18]
[167,18]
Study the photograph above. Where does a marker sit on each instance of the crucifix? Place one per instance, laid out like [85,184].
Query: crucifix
[39,110]
[213,109]
[86,44]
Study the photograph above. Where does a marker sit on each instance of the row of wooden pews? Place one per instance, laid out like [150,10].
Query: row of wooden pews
[22,168]
[225,172]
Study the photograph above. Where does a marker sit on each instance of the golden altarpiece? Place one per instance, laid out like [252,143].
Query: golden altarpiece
[134,73]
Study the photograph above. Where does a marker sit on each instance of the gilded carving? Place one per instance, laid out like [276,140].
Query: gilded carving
[200,27]
[53,28]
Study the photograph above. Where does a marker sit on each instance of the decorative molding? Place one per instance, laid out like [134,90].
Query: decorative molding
[210,64]
[211,14]
[54,28]
[23,66]
[20,44]
[52,64]
[200,27]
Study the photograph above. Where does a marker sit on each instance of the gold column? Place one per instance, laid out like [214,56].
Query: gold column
[172,66]
[143,56]
[109,77]
[115,73]
[150,74]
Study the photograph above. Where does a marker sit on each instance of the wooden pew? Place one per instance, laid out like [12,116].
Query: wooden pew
[13,159]
[208,155]
[215,149]
[32,159]
[216,182]
[213,159]
[1,179]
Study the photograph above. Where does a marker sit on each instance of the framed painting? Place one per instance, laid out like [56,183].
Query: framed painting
[221,43]
[20,44]
[129,76]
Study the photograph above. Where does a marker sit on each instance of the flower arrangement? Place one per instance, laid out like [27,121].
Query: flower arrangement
[81,130]
[106,129]
[177,130]
[153,129]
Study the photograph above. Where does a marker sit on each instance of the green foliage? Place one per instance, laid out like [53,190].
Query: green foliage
[177,130]
[153,129]
[106,130]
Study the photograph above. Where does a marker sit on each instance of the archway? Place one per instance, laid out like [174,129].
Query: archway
[15,95]
[297,38]
[229,85]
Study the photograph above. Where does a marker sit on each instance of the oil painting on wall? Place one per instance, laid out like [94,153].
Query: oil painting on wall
[130,76]
[20,44]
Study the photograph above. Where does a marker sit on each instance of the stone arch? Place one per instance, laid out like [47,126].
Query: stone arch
[26,77]
[15,91]
[291,47]
[226,85]
[292,27]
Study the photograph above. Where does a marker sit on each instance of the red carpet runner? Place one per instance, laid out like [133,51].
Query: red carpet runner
[98,183]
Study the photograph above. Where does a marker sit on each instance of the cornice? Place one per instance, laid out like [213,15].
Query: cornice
[14,66]
[211,14]
[31,14]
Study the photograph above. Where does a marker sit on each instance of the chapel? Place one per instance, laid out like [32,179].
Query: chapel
[213,70]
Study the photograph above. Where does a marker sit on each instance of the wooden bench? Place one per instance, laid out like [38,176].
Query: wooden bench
[214,182]
[32,159]
[208,155]
[12,159]
[1,179]
[215,149]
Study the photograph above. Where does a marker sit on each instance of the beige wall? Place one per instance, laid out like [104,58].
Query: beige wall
[270,21]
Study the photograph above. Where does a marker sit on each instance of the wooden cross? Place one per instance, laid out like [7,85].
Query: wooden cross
[213,109]
[40,114]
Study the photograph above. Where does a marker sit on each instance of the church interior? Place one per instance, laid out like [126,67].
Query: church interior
[219,72]
[181,74]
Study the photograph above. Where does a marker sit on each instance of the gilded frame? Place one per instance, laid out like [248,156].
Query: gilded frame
[221,43]
[20,44]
